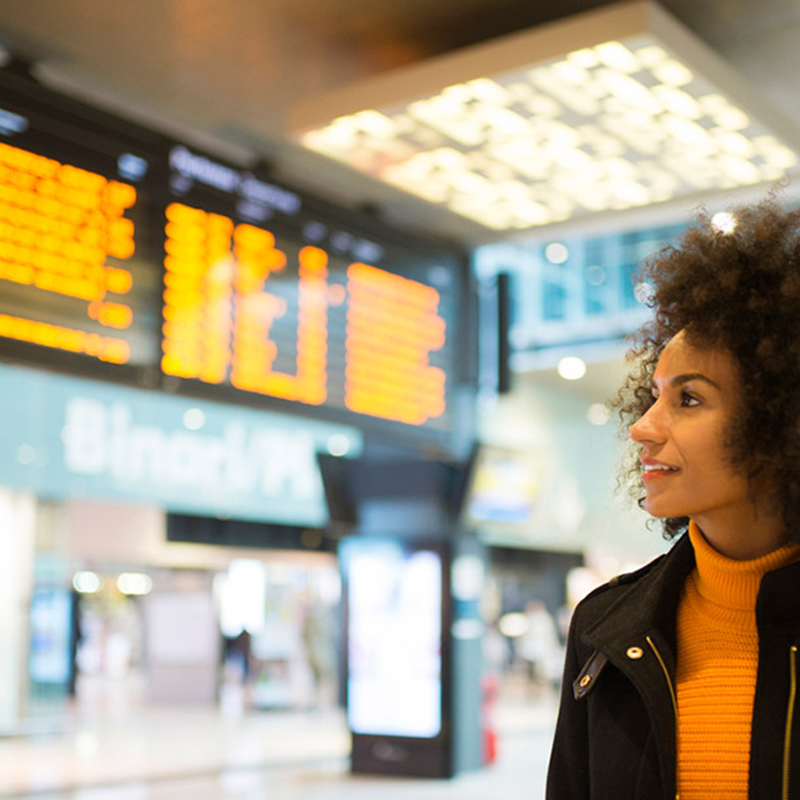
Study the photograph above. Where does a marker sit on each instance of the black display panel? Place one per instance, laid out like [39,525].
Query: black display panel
[129,256]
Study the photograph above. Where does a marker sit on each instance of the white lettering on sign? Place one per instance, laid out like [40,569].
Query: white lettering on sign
[203,169]
[103,439]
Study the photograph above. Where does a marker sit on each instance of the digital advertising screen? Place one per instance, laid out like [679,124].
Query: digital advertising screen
[49,660]
[504,488]
[394,638]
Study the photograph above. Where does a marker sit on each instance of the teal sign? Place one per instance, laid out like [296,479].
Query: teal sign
[70,438]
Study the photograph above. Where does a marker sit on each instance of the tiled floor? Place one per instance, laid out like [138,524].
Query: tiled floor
[204,754]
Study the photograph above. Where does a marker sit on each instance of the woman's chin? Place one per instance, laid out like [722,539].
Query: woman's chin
[663,510]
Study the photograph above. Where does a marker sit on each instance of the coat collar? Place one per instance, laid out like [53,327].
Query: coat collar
[649,605]
[778,603]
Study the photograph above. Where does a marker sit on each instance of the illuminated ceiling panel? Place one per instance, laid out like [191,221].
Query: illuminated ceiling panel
[612,109]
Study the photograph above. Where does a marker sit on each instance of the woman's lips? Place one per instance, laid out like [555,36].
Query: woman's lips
[649,475]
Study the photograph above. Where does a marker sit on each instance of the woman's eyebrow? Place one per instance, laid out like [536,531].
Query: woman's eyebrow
[679,380]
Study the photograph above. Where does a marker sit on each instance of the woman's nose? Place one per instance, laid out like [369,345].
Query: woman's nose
[651,427]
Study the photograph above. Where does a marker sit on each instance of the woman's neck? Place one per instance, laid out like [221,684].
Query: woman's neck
[743,536]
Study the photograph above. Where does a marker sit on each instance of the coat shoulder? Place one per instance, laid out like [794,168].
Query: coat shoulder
[601,599]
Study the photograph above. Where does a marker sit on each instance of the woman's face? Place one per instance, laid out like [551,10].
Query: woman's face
[686,471]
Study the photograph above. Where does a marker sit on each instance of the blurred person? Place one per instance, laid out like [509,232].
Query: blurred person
[75,639]
[237,655]
[681,678]
[539,647]
[319,640]
[563,619]
[496,650]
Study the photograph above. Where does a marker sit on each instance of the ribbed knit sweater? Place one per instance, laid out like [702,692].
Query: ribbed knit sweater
[716,671]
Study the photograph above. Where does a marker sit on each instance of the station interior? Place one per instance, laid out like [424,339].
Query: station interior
[312,316]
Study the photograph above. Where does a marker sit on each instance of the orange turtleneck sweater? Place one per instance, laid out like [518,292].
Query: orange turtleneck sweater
[716,671]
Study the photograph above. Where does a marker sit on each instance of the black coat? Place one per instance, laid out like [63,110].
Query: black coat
[616,732]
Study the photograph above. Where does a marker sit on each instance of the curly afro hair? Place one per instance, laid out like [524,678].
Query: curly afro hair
[739,290]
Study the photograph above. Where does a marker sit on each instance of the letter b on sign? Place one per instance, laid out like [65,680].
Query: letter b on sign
[85,437]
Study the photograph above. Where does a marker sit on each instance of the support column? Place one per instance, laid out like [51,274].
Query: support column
[17,548]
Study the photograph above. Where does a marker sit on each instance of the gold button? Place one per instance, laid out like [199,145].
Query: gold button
[634,652]
[585,681]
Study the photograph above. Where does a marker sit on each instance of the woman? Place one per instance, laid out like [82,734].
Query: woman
[681,679]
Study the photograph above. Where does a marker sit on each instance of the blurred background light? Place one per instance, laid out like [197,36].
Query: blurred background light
[595,276]
[86,582]
[513,625]
[598,414]
[571,368]
[194,419]
[26,454]
[242,595]
[724,222]
[134,583]
[556,253]
[338,445]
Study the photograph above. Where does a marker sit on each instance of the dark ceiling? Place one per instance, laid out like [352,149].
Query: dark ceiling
[229,69]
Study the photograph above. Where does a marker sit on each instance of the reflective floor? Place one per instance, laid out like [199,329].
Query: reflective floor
[140,753]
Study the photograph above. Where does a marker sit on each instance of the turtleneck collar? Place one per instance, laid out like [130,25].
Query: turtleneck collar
[732,584]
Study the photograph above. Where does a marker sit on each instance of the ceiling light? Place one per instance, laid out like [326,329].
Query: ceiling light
[556,253]
[615,108]
[724,222]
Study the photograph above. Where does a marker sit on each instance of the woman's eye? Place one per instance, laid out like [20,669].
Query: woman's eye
[688,400]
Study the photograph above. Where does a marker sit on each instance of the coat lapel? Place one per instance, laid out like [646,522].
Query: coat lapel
[638,636]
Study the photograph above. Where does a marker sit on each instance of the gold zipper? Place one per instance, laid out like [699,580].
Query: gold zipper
[671,694]
[787,737]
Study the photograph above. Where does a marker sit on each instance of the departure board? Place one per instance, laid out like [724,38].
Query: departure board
[62,230]
[128,250]
[267,295]
[72,277]
[219,317]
